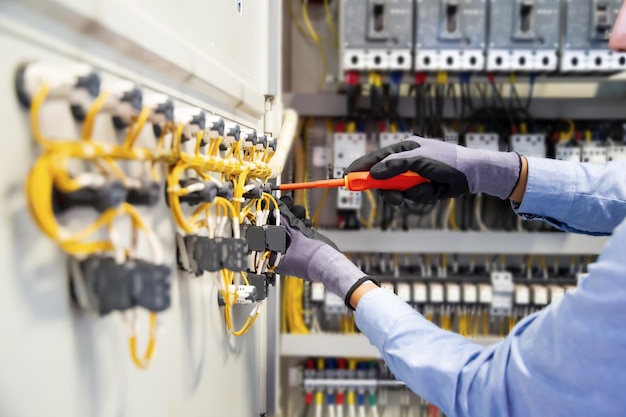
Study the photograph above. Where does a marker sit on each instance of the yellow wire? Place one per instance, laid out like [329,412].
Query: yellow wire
[331,24]
[320,206]
[144,362]
[316,39]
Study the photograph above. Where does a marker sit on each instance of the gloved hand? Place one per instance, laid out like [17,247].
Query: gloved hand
[452,170]
[313,257]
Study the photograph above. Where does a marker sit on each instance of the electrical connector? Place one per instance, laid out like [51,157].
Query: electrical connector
[101,195]
[245,294]
[144,193]
[201,191]
[102,285]
[162,111]
[76,82]
[193,119]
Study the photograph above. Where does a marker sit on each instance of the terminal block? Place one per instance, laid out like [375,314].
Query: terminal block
[102,285]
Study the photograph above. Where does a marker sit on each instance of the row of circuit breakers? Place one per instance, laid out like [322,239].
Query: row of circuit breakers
[476,35]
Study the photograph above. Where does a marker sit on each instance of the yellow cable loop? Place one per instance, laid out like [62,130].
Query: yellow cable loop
[144,362]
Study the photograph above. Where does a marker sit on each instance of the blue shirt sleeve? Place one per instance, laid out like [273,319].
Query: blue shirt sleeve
[566,360]
[575,197]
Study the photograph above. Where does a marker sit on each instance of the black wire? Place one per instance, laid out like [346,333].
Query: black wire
[305,412]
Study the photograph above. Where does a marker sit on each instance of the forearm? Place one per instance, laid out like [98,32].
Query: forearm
[574,197]
[437,365]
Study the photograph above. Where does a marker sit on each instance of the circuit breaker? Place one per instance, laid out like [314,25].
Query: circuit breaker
[485,141]
[376,34]
[346,148]
[450,35]
[587,29]
[523,35]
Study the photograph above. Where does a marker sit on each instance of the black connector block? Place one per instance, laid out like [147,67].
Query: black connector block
[110,195]
[147,194]
[111,286]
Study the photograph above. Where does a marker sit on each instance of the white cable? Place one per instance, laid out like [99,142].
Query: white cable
[351,410]
[339,410]
[361,411]
[318,410]
[331,410]
[446,217]
[374,411]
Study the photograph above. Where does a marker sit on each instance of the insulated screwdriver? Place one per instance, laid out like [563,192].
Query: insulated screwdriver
[360,181]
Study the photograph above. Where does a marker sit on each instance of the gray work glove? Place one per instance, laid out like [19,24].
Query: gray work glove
[313,257]
[452,170]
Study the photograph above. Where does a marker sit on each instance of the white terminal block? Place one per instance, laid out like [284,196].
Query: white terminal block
[522,295]
[348,200]
[427,60]
[568,153]
[377,59]
[485,141]
[420,293]
[485,294]
[599,61]
[400,59]
[539,295]
[594,154]
[556,293]
[388,286]
[618,61]
[346,148]
[546,61]
[499,60]
[450,59]
[333,304]
[616,153]
[354,59]
[523,60]
[435,291]
[318,292]
[388,138]
[533,145]
[403,290]
[472,60]
[453,293]
[470,293]
[574,61]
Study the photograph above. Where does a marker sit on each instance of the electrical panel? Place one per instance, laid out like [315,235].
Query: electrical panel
[523,35]
[376,34]
[567,153]
[450,35]
[585,44]
[389,138]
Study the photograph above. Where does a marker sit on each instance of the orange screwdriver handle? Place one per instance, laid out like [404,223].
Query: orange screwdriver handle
[361,181]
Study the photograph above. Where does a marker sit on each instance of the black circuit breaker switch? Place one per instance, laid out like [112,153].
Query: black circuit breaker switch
[207,254]
[234,254]
[260,283]
[276,239]
[255,236]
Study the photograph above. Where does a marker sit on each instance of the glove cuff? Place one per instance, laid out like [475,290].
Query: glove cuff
[496,174]
[357,285]
[334,270]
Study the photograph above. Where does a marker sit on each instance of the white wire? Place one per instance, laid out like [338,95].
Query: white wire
[339,410]
[351,410]
[331,410]
[318,410]
[361,411]
[374,411]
